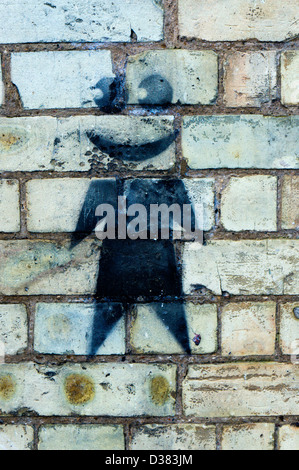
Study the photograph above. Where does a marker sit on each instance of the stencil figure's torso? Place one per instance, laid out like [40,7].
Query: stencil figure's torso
[129,269]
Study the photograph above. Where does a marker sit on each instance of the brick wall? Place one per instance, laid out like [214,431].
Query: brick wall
[233,76]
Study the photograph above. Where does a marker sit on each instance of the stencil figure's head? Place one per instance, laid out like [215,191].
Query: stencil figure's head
[156,89]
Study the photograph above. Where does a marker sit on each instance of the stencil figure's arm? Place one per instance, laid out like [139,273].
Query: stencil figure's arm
[99,192]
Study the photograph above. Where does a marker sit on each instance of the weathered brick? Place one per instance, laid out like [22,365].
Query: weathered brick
[89,390]
[248,329]
[54,205]
[258,436]
[289,328]
[9,206]
[86,21]
[81,437]
[245,267]
[241,141]
[13,328]
[250,203]
[247,389]
[288,438]
[179,437]
[149,336]
[172,76]
[1,85]
[213,20]
[290,202]
[290,77]
[70,88]
[250,78]
[47,143]
[16,437]
[67,329]
[44,267]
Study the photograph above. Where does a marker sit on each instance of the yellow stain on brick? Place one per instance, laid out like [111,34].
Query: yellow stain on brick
[79,389]
[7,387]
[160,389]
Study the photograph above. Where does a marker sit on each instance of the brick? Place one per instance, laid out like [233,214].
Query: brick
[47,143]
[250,79]
[240,141]
[81,437]
[290,77]
[67,329]
[247,389]
[289,328]
[70,88]
[200,191]
[265,20]
[88,390]
[149,336]
[250,203]
[244,267]
[290,202]
[9,205]
[16,437]
[288,438]
[13,328]
[54,205]
[258,436]
[1,85]
[44,267]
[248,328]
[93,21]
[172,76]
[179,437]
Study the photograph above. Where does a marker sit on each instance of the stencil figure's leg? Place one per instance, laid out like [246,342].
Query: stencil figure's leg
[174,318]
[105,317]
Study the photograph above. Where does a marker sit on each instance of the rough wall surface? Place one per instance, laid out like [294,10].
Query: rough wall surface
[231,101]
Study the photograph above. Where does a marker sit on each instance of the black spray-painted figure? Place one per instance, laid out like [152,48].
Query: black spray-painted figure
[135,269]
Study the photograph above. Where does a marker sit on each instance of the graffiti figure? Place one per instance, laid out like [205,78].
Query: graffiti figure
[135,269]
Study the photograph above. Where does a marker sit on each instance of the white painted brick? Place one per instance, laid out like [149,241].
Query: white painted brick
[213,20]
[9,205]
[80,21]
[16,437]
[54,205]
[67,329]
[248,267]
[289,328]
[247,389]
[1,85]
[202,195]
[72,78]
[48,143]
[190,77]
[44,267]
[81,437]
[258,436]
[89,390]
[149,336]
[174,437]
[250,203]
[248,328]
[288,438]
[13,328]
[250,78]
[290,77]
[290,202]
[246,141]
